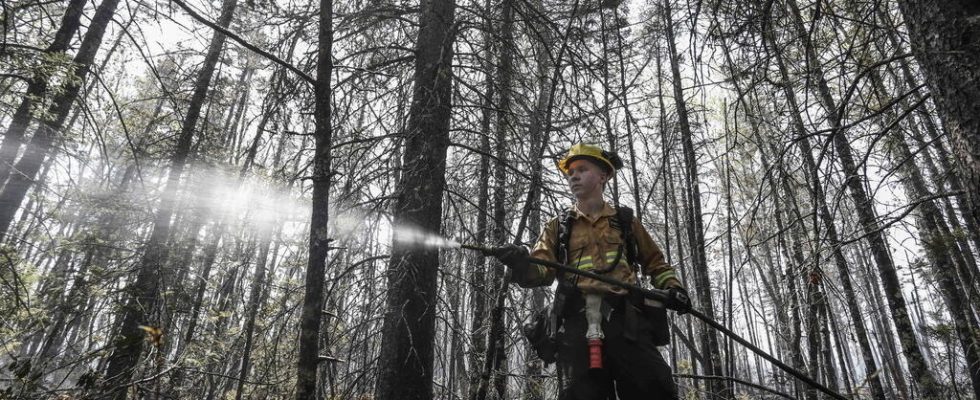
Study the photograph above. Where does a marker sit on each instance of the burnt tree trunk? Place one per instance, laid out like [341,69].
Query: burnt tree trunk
[479,288]
[309,326]
[695,227]
[406,359]
[535,389]
[843,267]
[855,184]
[945,37]
[494,371]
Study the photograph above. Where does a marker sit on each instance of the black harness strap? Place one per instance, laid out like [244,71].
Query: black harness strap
[564,237]
[565,287]
[624,222]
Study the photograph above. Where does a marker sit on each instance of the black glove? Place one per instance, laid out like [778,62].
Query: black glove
[514,257]
[678,300]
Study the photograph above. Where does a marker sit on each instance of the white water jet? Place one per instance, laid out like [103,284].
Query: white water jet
[418,238]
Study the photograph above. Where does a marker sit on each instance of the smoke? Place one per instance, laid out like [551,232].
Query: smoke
[415,237]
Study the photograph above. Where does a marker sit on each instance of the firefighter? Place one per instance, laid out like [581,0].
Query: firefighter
[604,339]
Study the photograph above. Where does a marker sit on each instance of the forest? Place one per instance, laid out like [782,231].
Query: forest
[217,199]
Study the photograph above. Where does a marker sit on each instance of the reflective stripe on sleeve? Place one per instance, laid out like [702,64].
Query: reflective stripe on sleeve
[659,280]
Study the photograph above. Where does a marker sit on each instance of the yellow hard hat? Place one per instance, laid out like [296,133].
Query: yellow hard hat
[606,158]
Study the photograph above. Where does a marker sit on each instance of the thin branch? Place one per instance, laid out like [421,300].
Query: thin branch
[244,43]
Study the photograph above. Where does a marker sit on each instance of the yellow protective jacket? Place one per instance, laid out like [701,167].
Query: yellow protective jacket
[592,247]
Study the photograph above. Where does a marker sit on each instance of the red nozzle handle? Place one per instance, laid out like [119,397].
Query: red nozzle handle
[595,353]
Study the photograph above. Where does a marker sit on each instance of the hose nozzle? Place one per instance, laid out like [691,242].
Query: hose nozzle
[595,353]
[487,251]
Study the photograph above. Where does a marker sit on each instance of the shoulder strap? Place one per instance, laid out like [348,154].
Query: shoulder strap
[624,216]
[564,236]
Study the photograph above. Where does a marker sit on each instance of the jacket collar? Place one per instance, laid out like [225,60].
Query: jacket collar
[607,211]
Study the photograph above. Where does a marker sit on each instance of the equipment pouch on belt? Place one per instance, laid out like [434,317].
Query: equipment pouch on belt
[541,334]
[656,314]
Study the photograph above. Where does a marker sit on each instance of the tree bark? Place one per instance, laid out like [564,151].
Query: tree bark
[144,292]
[479,286]
[945,37]
[695,227]
[253,307]
[406,358]
[37,89]
[43,141]
[494,371]
[309,337]
[866,215]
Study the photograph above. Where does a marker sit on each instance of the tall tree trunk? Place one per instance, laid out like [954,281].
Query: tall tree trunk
[48,130]
[855,184]
[630,122]
[695,227]
[253,307]
[670,202]
[827,352]
[406,359]
[794,271]
[37,89]
[479,286]
[309,336]
[144,292]
[890,354]
[843,267]
[938,244]
[494,371]
[941,248]
[535,389]
[843,348]
[945,37]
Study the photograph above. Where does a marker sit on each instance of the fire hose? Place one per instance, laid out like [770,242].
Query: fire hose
[661,295]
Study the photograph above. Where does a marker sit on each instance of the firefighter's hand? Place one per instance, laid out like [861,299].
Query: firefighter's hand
[514,257]
[678,300]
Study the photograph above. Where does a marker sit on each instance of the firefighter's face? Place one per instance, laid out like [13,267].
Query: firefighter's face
[586,179]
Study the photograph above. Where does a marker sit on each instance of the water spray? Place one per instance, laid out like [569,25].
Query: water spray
[407,235]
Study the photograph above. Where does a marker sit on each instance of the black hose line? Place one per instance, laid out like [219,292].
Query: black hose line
[661,295]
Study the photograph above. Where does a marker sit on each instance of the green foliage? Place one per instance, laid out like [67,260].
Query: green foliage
[943,331]
[17,277]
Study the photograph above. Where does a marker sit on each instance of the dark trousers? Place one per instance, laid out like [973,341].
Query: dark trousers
[632,369]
